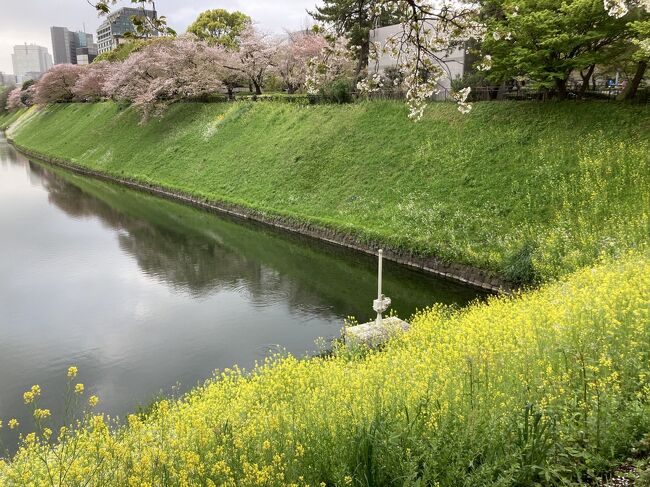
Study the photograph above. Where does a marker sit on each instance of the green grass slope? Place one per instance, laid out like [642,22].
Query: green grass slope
[7,118]
[528,190]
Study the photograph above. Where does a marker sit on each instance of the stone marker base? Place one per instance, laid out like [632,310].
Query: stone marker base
[372,335]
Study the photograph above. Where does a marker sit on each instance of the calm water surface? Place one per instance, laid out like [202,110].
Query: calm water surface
[142,294]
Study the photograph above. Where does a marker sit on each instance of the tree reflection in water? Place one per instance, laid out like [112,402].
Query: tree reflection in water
[201,253]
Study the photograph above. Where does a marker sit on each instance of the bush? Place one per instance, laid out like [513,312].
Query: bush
[337,91]
[472,80]
[27,92]
[519,266]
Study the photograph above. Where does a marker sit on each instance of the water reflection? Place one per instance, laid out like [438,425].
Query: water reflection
[199,253]
[141,293]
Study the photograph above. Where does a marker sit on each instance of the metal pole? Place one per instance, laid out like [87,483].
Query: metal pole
[381,254]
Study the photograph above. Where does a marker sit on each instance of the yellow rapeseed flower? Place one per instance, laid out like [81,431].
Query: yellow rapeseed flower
[93,401]
[32,394]
[79,389]
[13,423]
[41,413]
[72,372]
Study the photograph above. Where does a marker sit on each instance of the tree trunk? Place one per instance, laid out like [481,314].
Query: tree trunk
[231,93]
[561,88]
[258,88]
[633,86]
[364,25]
[585,80]
[362,62]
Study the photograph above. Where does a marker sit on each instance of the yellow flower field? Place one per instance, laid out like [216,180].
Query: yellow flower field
[552,386]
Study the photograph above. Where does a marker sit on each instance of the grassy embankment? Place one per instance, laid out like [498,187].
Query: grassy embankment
[529,191]
[551,387]
[8,118]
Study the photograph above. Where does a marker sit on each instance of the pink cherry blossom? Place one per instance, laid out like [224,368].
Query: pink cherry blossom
[56,85]
[164,72]
[14,101]
[293,57]
[91,81]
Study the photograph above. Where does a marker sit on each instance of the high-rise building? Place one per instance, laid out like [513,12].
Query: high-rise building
[72,47]
[30,61]
[111,33]
[63,48]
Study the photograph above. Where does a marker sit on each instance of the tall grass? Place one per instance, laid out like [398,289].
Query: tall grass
[550,387]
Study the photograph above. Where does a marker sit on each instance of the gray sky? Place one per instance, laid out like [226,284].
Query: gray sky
[30,20]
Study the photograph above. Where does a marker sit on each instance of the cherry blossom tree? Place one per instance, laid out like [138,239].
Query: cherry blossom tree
[91,81]
[294,55]
[14,100]
[57,84]
[334,61]
[165,72]
[224,60]
[620,8]
[255,56]
[428,29]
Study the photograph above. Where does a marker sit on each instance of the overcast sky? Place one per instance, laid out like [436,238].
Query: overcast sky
[30,20]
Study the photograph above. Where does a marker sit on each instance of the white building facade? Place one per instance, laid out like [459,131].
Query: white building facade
[30,61]
[454,63]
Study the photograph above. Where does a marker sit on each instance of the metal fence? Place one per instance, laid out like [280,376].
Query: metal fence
[480,93]
[497,93]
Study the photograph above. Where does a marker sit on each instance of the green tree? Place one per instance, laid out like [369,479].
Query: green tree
[123,51]
[353,19]
[4,94]
[641,42]
[546,41]
[220,27]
